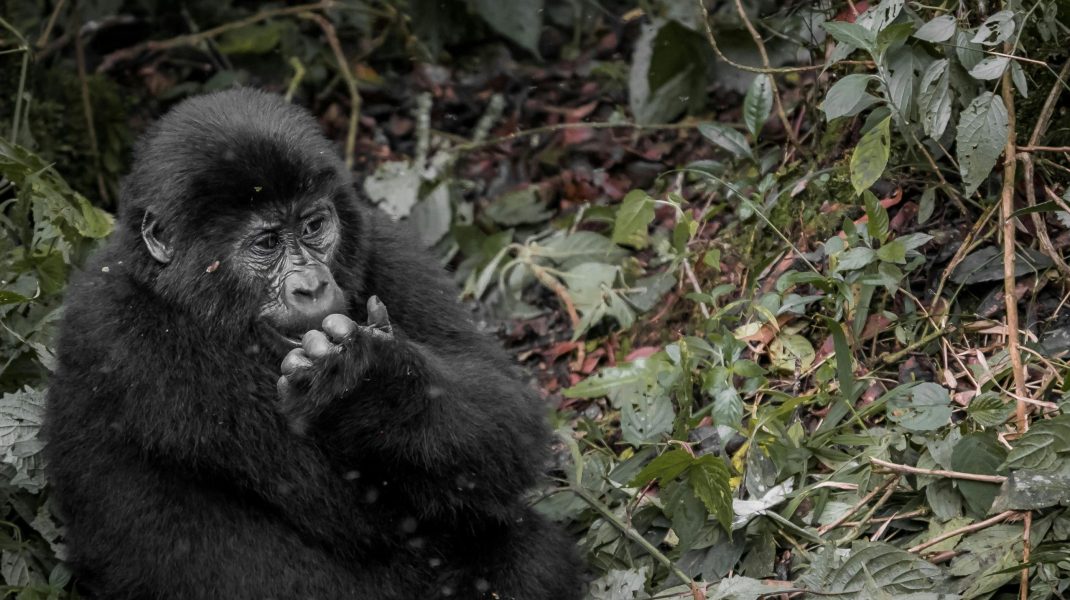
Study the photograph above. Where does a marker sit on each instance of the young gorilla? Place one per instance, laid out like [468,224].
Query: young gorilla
[388,460]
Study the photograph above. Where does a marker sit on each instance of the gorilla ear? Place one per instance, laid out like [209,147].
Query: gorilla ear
[158,248]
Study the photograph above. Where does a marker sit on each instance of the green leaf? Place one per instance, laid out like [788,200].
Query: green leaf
[934,99]
[877,221]
[855,258]
[251,39]
[663,468]
[996,29]
[710,481]
[893,252]
[990,68]
[928,408]
[519,207]
[664,74]
[978,453]
[927,205]
[633,218]
[851,34]
[1031,490]
[897,572]
[1018,77]
[939,29]
[870,157]
[520,20]
[1045,447]
[982,134]
[726,138]
[989,410]
[847,97]
[758,104]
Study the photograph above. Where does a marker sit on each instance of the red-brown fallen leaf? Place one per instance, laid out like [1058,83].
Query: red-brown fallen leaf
[903,219]
[551,354]
[641,352]
[591,362]
[848,15]
[875,324]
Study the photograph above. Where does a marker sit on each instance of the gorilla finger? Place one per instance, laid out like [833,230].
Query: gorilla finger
[295,360]
[377,315]
[376,332]
[285,389]
[339,327]
[316,344]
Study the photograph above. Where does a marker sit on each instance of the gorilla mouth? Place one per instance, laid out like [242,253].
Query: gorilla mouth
[282,337]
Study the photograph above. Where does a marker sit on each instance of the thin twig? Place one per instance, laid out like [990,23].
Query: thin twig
[779,106]
[192,39]
[858,505]
[1032,148]
[1003,516]
[695,286]
[87,109]
[766,69]
[857,529]
[937,472]
[516,135]
[1027,172]
[630,532]
[43,40]
[347,76]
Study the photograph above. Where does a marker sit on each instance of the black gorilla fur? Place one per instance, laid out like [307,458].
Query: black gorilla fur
[175,471]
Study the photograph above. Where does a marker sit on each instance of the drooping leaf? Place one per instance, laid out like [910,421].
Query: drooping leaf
[934,99]
[852,34]
[978,453]
[758,104]
[982,135]
[727,138]
[847,97]
[870,157]
[990,68]
[709,480]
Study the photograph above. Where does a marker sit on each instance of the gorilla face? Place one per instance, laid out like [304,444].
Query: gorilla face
[290,249]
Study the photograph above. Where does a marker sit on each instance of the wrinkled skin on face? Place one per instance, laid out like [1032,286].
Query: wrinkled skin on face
[291,249]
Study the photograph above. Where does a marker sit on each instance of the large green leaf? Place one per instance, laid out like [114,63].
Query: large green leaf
[978,453]
[934,99]
[871,156]
[726,137]
[982,135]
[847,97]
[518,20]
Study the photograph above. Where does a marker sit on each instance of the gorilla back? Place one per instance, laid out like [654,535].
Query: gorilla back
[263,391]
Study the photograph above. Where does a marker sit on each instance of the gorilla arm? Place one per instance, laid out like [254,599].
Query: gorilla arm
[198,419]
[460,434]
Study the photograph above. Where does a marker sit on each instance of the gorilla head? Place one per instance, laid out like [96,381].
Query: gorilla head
[258,212]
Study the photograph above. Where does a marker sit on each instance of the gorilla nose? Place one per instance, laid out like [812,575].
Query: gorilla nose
[310,295]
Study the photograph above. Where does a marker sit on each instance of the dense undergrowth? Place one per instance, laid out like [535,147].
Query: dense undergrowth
[756,255]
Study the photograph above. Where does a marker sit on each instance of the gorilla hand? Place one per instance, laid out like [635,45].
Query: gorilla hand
[332,362]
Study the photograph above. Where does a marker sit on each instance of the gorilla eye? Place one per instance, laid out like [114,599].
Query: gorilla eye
[267,242]
[313,226]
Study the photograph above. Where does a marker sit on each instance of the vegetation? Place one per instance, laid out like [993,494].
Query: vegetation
[790,275]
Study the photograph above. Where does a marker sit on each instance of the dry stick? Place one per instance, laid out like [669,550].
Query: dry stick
[1009,232]
[937,472]
[857,529]
[766,69]
[851,511]
[1027,163]
[1032,148]
[1003,516]
[347,76]
[788,129]
[960,254]
[516,135]
[87,109]
[192,39]
[558,288]
[43,40]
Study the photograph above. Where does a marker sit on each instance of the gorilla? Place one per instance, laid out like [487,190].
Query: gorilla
[264,390]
